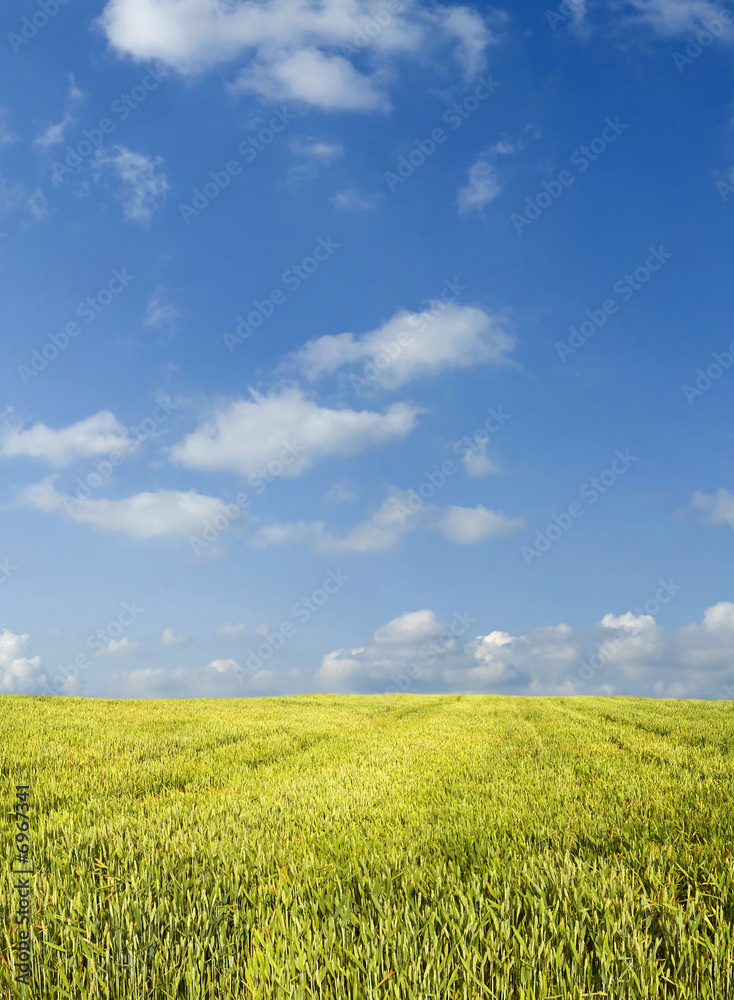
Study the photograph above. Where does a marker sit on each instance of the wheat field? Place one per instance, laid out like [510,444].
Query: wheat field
[349,847]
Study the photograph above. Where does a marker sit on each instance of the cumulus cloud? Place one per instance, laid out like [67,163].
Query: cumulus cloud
[172,637]
[467,525]
[377,665]
[96,435]
[476,462]
[403,511]
[143,186]
[237,631]
[413,345]
[718,507]
[159,514]
[624,653]
[482,187]
[296,49]
[325,80]
[287,433]
[20,673]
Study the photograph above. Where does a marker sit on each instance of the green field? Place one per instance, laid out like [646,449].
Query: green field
[373,847]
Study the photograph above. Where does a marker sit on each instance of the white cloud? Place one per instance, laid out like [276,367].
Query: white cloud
[159,310]
[55,134]
[96,435]
[7,136]
[143,186]
[378,665]
[162,514]
[579,24]
[38,204]
[477,463]
[310,148]
[625,653]
[413,345]
[537,659]
[236,631]
[719,506]
[710,645]
[403,511]
[281,534]
[506,145]
[11,196]
[676,17]
[382,532]
[413,626]
[637,644]
[350,200]
[467,525]
[172,637]
[294,49]
[19,672]
[220,678]
[287,433]
[342,491]
[310,154]
[471,33]
[483,186]
[120,648]
[329,82]
[223,666]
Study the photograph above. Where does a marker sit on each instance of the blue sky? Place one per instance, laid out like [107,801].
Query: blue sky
[395,312]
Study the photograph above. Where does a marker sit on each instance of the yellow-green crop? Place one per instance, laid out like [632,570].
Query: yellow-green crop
[389,847]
